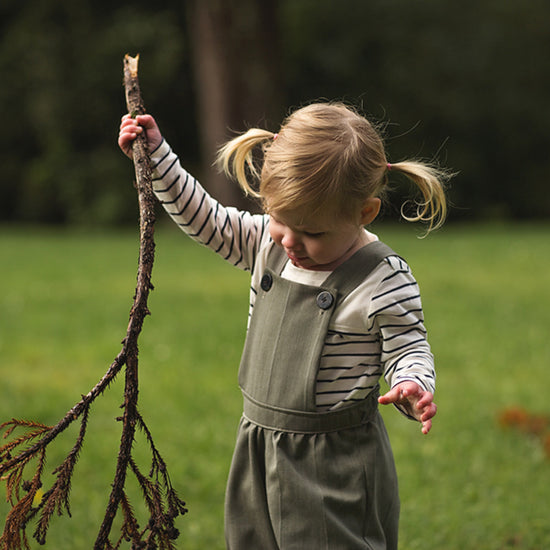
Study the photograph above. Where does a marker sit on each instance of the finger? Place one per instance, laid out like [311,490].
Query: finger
[129,123]
[125,140]
[128,134]
[424,397]
[426,426]
[124,143]
[429,412]
[391,396]
[424,401]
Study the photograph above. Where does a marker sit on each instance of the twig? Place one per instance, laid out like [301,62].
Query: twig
[139,310]
[163,503]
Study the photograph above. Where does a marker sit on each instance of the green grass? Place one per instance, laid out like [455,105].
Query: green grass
[64,302]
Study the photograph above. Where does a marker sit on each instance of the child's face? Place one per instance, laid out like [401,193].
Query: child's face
[315,244]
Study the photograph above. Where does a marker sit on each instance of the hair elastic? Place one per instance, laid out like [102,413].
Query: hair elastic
[389,165]
[275,136]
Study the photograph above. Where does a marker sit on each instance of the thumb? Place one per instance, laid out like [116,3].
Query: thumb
[147,121]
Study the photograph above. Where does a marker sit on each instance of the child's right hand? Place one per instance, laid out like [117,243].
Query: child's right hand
[131,127]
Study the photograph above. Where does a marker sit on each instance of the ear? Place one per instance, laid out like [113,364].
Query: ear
[370,210]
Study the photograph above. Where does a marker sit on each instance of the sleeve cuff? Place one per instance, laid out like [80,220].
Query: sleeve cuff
[159,153]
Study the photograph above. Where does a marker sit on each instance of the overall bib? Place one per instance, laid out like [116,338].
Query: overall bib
[300,479]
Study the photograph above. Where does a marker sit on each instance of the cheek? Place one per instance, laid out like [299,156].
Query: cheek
[276,234]
[323,249]
[315,248]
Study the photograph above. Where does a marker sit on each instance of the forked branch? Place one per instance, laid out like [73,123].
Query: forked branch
[27,498]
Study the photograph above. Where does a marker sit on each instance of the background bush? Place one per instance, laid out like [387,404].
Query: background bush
[465,83]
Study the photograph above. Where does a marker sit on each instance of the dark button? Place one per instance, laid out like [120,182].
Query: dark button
[266,282]
[325,300]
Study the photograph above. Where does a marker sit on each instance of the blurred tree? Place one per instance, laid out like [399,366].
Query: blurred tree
[59,138]
[464,82]
[235,45]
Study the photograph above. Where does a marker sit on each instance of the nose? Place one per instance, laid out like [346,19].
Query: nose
[290,239]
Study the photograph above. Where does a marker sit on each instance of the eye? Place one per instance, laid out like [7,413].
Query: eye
[314,235]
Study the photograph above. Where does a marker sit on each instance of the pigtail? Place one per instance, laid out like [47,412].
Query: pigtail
[236,160]
[430,180]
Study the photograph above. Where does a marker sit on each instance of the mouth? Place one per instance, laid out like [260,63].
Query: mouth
[295,259]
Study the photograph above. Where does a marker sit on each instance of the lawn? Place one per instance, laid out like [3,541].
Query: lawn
[469,484]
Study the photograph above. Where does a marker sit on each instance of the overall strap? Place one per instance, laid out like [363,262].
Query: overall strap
[353,271]
[276,259]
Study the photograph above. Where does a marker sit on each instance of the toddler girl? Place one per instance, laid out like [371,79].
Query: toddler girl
[332,309]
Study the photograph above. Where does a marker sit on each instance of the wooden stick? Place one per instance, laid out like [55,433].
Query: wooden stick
[139,310]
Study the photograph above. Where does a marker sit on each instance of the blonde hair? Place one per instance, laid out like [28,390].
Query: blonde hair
[328,159]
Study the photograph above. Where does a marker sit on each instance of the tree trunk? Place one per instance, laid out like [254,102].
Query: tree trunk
[237,78]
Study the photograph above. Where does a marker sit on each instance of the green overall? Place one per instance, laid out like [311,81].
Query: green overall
[302,479]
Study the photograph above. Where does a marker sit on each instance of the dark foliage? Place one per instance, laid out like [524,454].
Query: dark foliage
[464,82]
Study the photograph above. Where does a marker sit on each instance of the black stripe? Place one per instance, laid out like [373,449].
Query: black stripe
[181,191]
[169,187]
[393,304]
[202,226]
[163,175]
[417,322]
[187,203]
[414,329]
[158,147]
[404,346]
[188,223]
[352,342]
[394,289]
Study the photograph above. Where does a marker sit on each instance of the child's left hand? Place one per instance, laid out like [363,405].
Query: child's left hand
[417,402]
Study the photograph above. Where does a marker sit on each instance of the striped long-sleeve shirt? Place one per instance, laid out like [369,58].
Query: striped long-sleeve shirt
[378,330]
